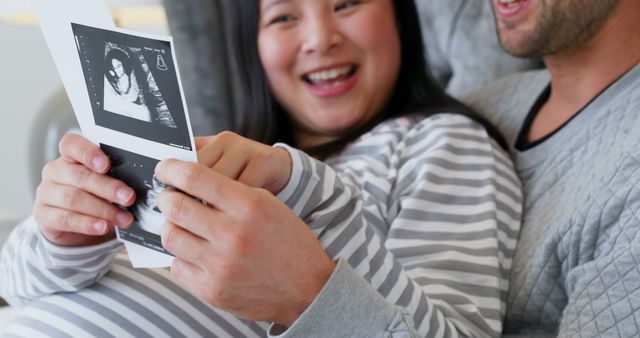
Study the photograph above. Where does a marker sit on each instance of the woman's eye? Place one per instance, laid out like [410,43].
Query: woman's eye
[345,5]
[282,19]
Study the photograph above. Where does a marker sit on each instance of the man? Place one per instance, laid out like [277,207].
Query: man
[574,133]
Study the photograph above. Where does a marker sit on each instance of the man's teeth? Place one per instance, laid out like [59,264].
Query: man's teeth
[329,74]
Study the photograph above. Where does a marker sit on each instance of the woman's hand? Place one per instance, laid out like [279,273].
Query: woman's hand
[73,203]
[245,251]
[244,160]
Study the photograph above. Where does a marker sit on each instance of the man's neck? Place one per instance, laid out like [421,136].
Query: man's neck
[579,75]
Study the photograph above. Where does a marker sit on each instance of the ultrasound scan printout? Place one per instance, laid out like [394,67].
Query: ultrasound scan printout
[132,85]
[126,93]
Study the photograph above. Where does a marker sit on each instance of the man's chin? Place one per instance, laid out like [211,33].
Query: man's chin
[520,45]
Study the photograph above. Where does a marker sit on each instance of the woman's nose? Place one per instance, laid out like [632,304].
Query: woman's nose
[321,36]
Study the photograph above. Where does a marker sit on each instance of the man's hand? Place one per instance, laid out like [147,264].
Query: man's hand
[245,251]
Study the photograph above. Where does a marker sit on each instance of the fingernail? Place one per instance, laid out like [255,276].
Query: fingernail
[124,194]
[99,163]
[155,171]
[124,218]
[100,227]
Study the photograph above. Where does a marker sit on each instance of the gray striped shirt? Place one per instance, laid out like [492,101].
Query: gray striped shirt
[422,216]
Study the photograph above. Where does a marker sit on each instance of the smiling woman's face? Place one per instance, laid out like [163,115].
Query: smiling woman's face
[331,64]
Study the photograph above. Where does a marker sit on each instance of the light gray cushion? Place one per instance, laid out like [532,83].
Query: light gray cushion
[462,47]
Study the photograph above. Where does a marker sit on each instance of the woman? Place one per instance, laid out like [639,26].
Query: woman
[407,228]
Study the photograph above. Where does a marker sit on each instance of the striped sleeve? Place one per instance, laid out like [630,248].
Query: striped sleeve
[32,267]
[439,246]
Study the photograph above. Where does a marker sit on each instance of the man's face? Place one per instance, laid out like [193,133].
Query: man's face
[534,28]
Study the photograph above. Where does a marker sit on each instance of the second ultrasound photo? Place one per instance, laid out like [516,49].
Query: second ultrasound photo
[137,171]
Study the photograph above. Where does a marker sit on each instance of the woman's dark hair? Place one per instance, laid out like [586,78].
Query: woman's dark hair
[263,119]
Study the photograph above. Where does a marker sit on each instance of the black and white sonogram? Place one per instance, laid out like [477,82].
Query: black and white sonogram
[137,172]
[133,85]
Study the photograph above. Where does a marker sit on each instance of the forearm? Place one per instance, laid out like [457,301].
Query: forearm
[31,266]
[369,314]
[437,300]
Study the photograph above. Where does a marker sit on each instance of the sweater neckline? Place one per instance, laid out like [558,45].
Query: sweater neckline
[567,134]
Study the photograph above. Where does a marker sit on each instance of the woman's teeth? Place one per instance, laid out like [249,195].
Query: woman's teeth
[509,3]
[329,74]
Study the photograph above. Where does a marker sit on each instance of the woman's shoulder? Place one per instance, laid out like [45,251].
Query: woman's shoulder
[420,136]
[421,125]
[419,133]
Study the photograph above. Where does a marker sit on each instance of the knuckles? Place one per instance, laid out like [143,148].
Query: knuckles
[173,205]
[192,176]
[64,220]
[218,285]
[252,203]
[240,243]
[48,169]
[38,215]
[82,176]
[226,136]
[71,197]
[170,238]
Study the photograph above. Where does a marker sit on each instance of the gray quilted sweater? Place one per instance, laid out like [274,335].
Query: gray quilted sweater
[577,265]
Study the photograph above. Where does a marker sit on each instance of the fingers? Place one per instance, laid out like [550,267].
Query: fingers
[252,163]
[260,167]
[225,144]
[188,274]
[77,149]
[189,213]
[57,220]
[83,202]
[183,244]
[79,176]
[209,154]
[258,176]
[213,147]
[203,141]
[202,182]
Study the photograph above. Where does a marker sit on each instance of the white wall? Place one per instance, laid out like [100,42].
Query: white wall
[27,78]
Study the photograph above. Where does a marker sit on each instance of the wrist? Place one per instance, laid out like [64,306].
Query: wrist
[310,288]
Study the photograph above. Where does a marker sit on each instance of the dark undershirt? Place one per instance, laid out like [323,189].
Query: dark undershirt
[522,141]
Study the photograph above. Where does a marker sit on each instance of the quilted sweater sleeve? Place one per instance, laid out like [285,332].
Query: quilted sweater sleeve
[603,276]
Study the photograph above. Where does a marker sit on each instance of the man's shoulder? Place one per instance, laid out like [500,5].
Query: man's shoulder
[509,88]
[507,101]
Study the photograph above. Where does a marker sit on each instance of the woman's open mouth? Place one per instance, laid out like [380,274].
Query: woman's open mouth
[331,82]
